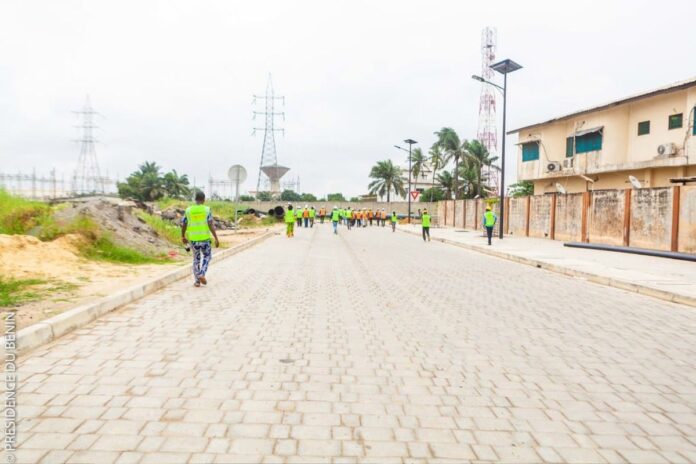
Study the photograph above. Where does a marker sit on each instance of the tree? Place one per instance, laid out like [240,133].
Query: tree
[308,197]
[355,199]
[290,195]
[478,154]
[453,149]
[246,198]
[387,178]
[432,194]
[523,188]
[446,182]
[418,162]
[335,197]
[436,162]
[264,196]
[176,186]
[145,184]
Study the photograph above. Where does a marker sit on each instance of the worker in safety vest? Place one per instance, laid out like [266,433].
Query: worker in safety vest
[197,228]
[349,218]
[489,219]
[298,216]
[364,218]
[425,223]
[322,214]
[394,220]
[383,217]
[312,215]
[370,216]
[290,222]
[335,217]
[305,216]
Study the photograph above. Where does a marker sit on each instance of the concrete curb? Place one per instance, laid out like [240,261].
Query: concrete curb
[595,278]
[50,329]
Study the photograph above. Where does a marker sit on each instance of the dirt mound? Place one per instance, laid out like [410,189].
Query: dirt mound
[24,256]
[117,218]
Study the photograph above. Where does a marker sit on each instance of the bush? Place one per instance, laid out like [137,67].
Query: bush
[19,216]
[436,193]
[246,198]
[335,197]
[164,228]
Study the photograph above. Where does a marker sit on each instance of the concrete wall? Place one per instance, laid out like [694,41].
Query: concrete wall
[399,207]
[652,215]
[517,222]
[569,217]
[651,218]
[459,214]
[605,219]
[540,216]
[687,219]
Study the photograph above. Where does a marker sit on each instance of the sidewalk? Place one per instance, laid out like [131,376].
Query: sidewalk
[663,278]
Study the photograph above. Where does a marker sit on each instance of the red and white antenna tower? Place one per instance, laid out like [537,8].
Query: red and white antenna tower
[487,124]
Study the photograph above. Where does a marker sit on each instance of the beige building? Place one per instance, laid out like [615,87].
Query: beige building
[650,136]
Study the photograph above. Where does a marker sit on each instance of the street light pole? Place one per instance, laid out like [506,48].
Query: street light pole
[503,67]
[410,144]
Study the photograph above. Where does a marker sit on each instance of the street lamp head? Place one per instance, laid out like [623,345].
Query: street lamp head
[506,66]
[410,141]
[478,78]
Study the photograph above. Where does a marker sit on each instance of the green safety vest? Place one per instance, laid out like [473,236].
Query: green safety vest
[197,229]
[425,219]
[490,218]
[349,214]
[394,218]
[289,216]
[312,213]
[298,213]
[335,215]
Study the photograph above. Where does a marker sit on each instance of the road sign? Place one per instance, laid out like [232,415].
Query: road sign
[414,195]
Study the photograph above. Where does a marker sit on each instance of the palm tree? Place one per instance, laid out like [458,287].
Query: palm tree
[418,162]
[149,167]
[452,147]
[446,182]
[176,186]
[387,177]
[469,173]
[479,155]
[436,162]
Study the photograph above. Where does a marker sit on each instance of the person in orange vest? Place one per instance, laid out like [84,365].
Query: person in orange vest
[305,216]
[383,217]
[322,214]
[369,216]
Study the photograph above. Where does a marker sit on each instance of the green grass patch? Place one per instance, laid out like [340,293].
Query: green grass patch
[103,249]
[16,291]
[19,216]
[164,228]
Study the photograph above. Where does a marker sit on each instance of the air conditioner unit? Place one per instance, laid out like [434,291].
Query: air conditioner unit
[667,149]
[568,163]
[553,166]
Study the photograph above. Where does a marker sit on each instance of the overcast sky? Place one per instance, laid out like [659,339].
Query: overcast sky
[174,79]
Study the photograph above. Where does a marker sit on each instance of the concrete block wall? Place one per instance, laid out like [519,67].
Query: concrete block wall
[658,218]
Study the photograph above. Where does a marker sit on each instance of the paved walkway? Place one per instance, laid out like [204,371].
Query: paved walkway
[370,346]
[668,278]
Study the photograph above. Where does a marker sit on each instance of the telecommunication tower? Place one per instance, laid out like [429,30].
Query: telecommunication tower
[269,170]
[487,132]
[87,178]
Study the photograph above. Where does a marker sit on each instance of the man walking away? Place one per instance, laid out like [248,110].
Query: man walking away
[394,220]
[298,216]
[196,228]
[425,222]
[335,217]
[349,218]
[290,222]
[305,216]
[312,215]
[489,220]
[322,214]
[383,217]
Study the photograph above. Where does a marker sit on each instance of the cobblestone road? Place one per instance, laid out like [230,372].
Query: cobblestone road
[370,346]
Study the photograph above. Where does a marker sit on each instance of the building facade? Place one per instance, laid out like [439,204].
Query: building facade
[650,136]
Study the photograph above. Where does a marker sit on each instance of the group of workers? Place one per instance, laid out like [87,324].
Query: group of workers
[348,217]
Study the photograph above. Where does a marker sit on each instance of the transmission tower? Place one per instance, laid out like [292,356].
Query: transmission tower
[269,170]
[487,132]
[87,178]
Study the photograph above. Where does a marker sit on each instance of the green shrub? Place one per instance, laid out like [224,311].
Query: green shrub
[18,215]
[164,228]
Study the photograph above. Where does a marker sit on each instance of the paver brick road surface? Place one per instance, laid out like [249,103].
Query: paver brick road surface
[370,346]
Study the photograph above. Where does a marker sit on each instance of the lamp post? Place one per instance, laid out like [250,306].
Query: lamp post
[503,67]
[410,142]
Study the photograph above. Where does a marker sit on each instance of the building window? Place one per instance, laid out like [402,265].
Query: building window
[588,142]
[569,147]
[644,128]
[675,121]
[530,151]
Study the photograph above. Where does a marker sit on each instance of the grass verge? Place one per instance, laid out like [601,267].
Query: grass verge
[16,291]
[165,229]
[18,215]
